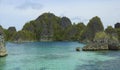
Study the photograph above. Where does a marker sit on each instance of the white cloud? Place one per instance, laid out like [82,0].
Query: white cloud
[22,4]
[32,5]
[17,12]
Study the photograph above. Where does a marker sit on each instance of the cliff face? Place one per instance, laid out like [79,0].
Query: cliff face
[95,25]
[49,27]
[65,22]
[45,26]
[3,51]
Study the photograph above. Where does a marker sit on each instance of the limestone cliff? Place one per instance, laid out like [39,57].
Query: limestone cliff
[94,25]
[3,51]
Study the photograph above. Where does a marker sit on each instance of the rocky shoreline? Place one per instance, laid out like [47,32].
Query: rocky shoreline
[95,47]
[100,47]
[103,41]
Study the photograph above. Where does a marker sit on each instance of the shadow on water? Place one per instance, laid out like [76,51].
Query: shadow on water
[55,56]
[2,63]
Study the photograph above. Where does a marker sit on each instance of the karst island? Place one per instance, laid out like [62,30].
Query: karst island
[59,35]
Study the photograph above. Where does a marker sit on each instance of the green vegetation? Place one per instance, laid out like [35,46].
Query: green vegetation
[112,33]
[48,27]
[51,27]
[104,36]
[23,36]
[110,30]
[9,33]
[101,35]
[94,25]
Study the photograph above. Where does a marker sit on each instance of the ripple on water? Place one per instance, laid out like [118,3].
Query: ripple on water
[57,56]
[94,61]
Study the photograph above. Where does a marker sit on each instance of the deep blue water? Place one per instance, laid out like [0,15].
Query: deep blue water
[57,56]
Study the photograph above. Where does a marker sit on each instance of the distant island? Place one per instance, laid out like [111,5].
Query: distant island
[49,27]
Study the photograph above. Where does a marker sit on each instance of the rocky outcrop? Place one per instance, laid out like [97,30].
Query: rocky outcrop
[103,41]
[65,22]
[48,27]
[3,51]
[114,46]
[117,25]
[95,25]
[78,49]
[117,28]
[12,29]
[95,47]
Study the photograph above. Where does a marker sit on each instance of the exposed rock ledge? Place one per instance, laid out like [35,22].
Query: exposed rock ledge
[95,47]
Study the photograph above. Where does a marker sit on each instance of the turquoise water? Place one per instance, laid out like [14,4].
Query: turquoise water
[57,56]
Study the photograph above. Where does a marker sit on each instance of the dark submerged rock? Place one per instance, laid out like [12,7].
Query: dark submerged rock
[78,49]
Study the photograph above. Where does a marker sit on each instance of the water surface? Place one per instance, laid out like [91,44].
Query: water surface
[57,56]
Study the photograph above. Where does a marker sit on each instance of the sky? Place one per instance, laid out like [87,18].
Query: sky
[18,12]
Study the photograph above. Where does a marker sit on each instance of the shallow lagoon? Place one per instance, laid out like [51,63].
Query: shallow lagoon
[57,56]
